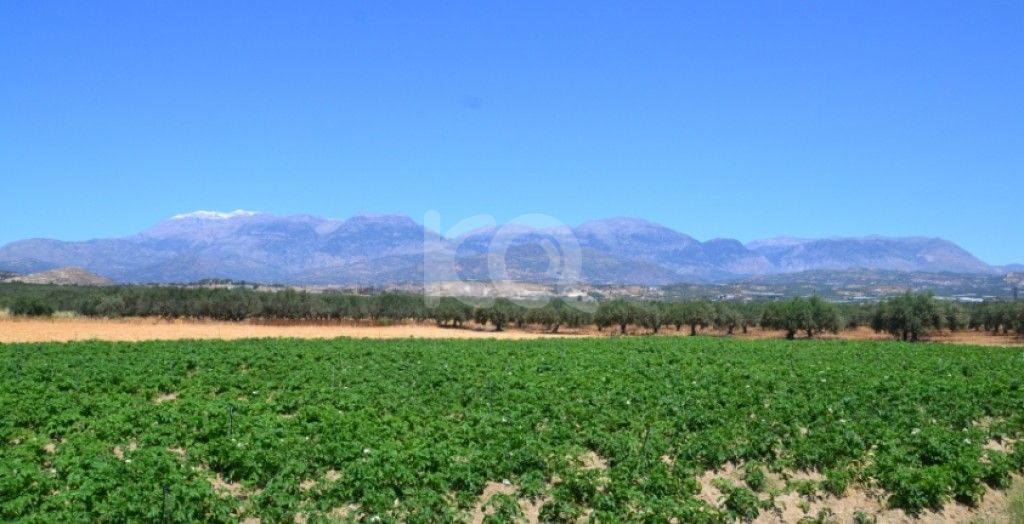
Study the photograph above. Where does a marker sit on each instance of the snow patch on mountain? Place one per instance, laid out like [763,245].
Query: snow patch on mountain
[215,215]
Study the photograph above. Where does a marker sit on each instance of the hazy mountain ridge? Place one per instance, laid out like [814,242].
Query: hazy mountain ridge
[386,249]
[873,252]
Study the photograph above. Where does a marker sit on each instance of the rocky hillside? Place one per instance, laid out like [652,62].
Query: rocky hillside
[64,276]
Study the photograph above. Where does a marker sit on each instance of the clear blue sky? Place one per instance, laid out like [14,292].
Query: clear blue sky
[737,119]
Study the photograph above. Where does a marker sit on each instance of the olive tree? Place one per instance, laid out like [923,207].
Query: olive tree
[1018,319]
[31,307]
[650,316]
[547,316]
[907,317]
[727,317]
[697,313]
[451,311]
[810,315]
[499,314]
[954,318]
[615,313]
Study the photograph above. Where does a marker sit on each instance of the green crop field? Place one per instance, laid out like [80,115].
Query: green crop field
[413,430]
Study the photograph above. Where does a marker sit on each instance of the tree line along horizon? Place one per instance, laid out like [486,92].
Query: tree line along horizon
[909,317]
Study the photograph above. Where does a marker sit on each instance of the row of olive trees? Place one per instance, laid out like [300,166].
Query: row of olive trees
[211,303]
[997,317]
[912,316]
[812,316]
[615,313]
[908,317]
[727,316]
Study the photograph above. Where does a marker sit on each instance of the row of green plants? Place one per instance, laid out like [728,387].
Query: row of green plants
[908,317]
[412,430]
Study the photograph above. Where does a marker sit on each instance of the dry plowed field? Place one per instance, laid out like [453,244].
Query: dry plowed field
[64,329]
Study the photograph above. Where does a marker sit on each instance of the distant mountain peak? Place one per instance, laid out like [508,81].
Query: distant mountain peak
[380,218]
[215,215]
[629,223]
[777,242]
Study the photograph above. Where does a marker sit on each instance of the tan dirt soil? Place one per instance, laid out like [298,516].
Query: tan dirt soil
[166,397]
[993,507]
[226,488]
[529,507]
[14,330]
[591,460]
[65,329]
[480,511]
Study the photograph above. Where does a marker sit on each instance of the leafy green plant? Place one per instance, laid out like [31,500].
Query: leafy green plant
[755,477]
[412,430]
[502,508]
[917,488]
[824,516]
[741,503]
[861,517]
[837,481]
[806,488]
